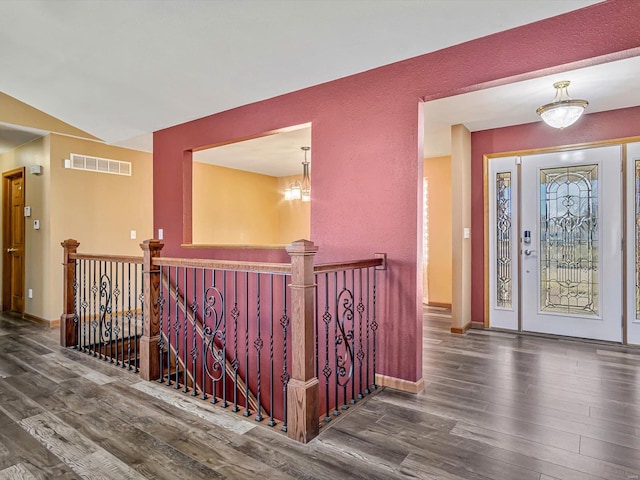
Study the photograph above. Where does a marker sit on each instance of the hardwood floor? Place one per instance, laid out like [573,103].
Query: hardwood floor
[496,406]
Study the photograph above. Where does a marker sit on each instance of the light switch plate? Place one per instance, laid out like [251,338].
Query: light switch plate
[36,224]
[133,234]
[27,211]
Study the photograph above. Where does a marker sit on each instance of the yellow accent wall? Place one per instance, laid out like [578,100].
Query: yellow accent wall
[294,216]
[36,257]
[438,275]
[99,210]
[233,206]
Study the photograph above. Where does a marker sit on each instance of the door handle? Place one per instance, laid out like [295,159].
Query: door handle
[11,250]
[528,252]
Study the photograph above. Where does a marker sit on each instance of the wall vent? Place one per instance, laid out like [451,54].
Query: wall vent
[100,165]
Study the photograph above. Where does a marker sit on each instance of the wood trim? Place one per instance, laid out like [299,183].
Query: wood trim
[462,330]
[232,246]
[6,200]
[47,323]
[400,383]
[339,266]
[485,191]
[106,258]
[438,304]
[564,148]
[284,268]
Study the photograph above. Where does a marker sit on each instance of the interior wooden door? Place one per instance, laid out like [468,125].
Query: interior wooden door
[13,240]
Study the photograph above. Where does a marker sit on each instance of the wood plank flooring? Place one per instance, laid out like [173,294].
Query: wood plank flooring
[496,406]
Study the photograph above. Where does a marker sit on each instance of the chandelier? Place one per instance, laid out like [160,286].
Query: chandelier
[300,190]
[563,110]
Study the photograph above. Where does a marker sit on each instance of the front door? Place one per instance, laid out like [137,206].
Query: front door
[13,240]
[571,253]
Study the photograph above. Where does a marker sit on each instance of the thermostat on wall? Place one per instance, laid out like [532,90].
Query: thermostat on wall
[35,169]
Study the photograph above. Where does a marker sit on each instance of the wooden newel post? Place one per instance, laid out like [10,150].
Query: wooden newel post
[303,390]
[67,325]
[149,354]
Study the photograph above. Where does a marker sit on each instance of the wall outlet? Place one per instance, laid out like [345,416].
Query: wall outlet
[30,293]
[133,234]
[160,234]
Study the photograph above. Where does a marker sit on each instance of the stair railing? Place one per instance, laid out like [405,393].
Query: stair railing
[252,337]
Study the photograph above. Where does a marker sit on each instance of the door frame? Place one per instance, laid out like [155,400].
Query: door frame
[563,148]
[6,238]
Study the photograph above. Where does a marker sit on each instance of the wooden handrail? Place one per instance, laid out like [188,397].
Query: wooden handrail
[339,266]
[106,258]
[253,267]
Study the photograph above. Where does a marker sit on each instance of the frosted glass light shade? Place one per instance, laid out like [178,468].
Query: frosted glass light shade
[563,113]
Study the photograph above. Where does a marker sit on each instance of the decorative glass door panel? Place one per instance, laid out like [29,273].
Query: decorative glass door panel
[571,255]
[569,240]
[503,242]
[504,245]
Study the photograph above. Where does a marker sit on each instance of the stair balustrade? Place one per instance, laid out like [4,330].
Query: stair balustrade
[291,345]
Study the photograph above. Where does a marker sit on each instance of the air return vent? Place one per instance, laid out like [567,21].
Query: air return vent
[100,165]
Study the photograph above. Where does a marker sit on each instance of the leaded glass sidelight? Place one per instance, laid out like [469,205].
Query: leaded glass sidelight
[637,218]
[503,240]
[569,240]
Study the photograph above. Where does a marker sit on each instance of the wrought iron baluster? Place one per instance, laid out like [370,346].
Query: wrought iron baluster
[234,364]
[353,339]
[194,330]
[129,315]
[258,344]
[271,419]
[344,337]
[247,412]
[326,371]
[94,312]
[223,338]
[215,309]
[360,354]
[76,324]
[374,328]
[85,331]
[118,309]
[185,388]
[176,331]
[110,314]
[284,322]
[161,342]
[141,298]
[366,388]
[203,386]
[169,380]
[336,412]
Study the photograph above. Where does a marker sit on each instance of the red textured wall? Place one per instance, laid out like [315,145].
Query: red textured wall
[367,151]
[591,128]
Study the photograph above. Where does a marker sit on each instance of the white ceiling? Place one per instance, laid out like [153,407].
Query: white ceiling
[277,155]
[607,86]
[121,70]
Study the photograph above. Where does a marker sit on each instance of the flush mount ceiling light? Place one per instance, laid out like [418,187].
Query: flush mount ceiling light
[298,190]
[563,110]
